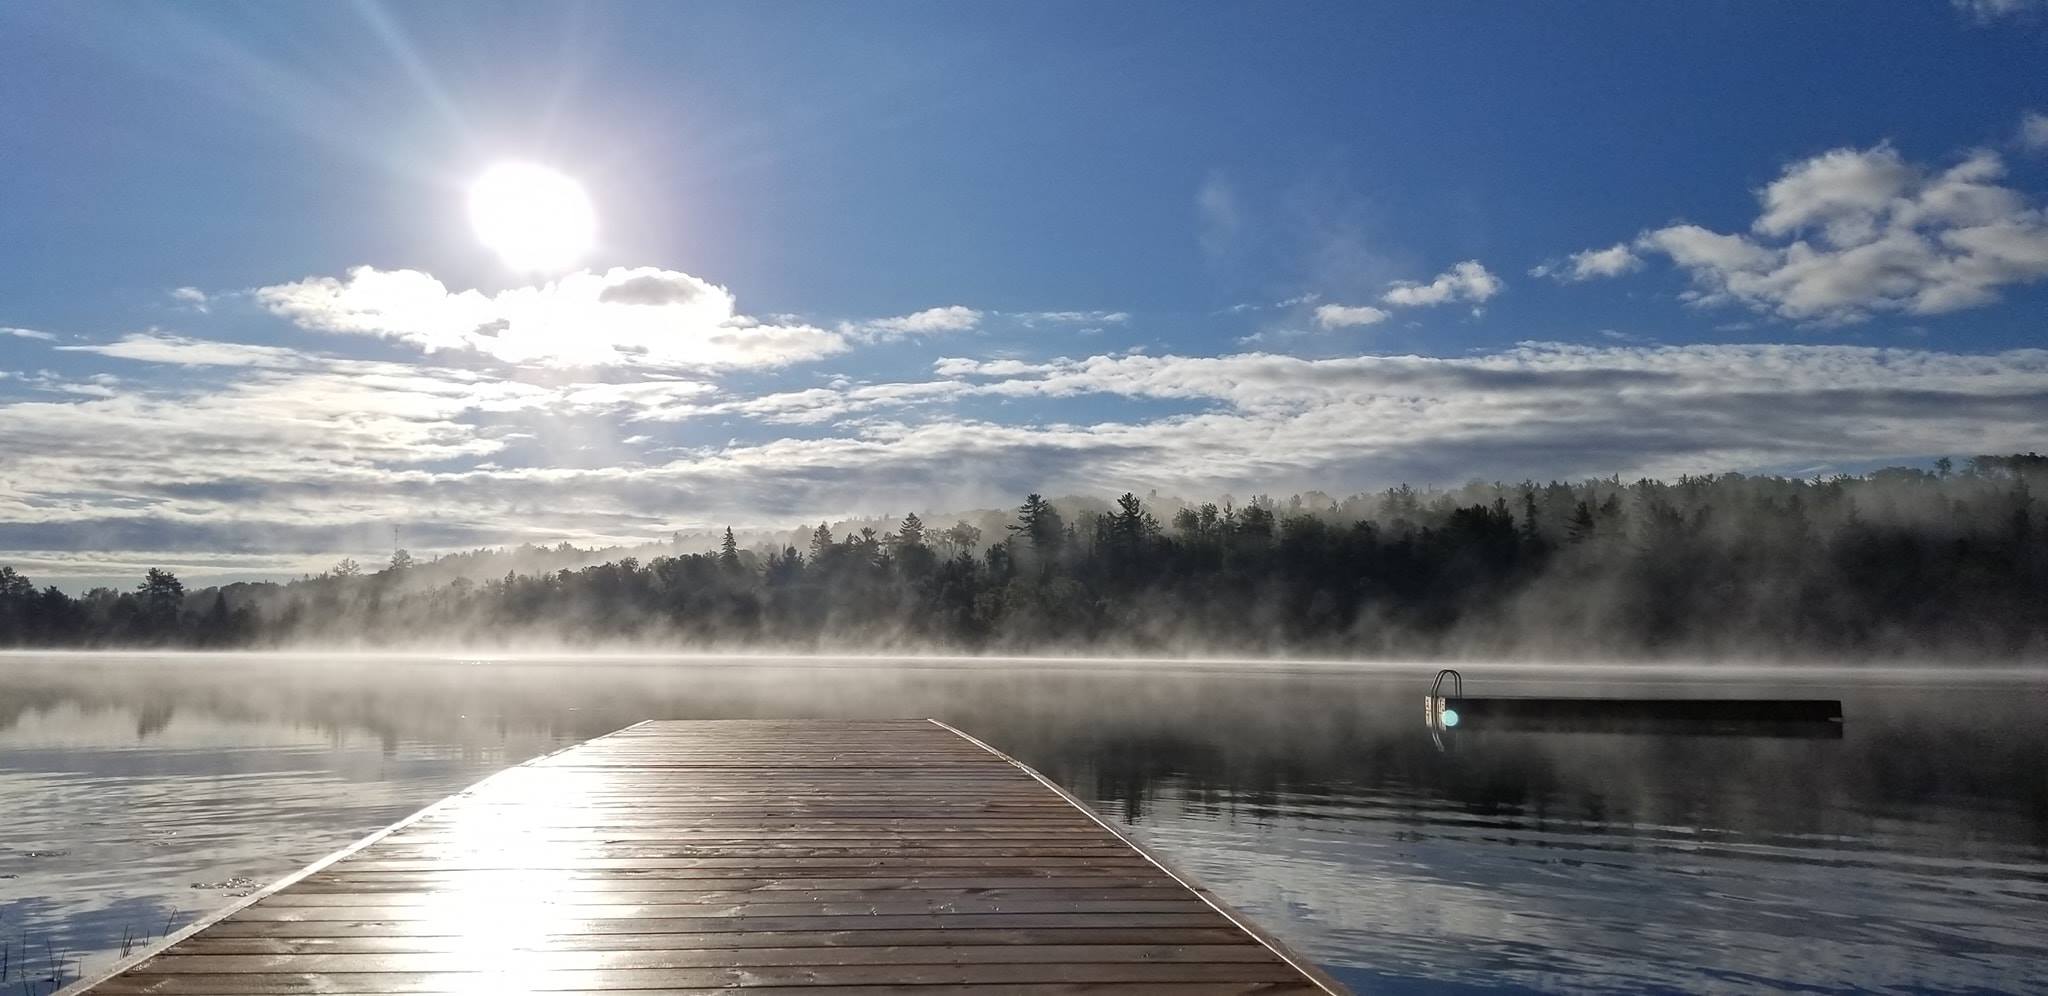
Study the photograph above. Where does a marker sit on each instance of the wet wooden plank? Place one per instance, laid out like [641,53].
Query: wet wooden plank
[866,857]
[738,957]
[427,883]
[739,854]
[981,989]
[548,862]
[565,927]
[383,943]
[141,983]
[494,906]
[1119,891]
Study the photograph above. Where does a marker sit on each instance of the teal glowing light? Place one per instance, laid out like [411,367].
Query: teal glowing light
[1449,717]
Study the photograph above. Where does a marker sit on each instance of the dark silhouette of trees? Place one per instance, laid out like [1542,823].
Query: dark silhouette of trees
[1039,525]
[1900,561]
[729,551]
[160,598]
[911,532]
[960,539]
[914,558]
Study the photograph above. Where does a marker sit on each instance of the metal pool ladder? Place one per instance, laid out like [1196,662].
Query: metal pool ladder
[1433,706]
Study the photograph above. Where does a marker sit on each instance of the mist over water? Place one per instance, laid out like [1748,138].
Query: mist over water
[1912,854]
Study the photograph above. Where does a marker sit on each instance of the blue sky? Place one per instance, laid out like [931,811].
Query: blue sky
[930,255]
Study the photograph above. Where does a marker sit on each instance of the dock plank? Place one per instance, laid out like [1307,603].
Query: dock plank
[774,856]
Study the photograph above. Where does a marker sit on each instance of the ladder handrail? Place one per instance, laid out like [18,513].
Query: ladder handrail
[1457,684]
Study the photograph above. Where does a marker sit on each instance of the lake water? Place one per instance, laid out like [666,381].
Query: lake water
[138,792]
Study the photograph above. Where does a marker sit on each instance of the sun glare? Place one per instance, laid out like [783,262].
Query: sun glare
[537,219]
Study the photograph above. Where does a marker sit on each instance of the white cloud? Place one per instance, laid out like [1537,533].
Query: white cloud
[51,382]
[1612,261]
[192,297]
[2034,131]
[1291,302]
[1843,193]
[641,316]
[1988,10]
[1337,316]
[1467,281]
[156,347]
[954,366]
[1030,318]
[21,333]
[1696,248]
[1274,335]
[640,401]
[271,455]
[1218,218]
[931,321]
[1852,232]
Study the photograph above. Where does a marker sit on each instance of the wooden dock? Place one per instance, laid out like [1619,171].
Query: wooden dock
[674,857]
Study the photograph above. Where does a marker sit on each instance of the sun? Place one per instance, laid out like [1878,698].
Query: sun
[537,219]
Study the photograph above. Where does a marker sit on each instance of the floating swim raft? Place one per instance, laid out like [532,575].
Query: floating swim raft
[768,856]
[1819,718]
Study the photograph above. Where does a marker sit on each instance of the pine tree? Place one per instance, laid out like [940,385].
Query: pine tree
[1582,524]
[911,533]
[1038,523]
[162,596]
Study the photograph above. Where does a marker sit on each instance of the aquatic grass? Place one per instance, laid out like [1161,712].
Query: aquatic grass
[57,968]
[38,969]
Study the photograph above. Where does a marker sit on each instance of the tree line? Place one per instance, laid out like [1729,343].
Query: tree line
[1901,561]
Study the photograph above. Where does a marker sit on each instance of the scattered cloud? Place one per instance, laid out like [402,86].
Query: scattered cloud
[1276,335]
[2034,131]
[1097,318]
[21,333]
[1290,302]
[636,401]
[157,347]
[931,321]
[1612,261]
[1990,10]
[194,298]
[1853,232]
[641,317]
[1218,218]
[1619,336]
[653,289]
[98,385]
[1467,281]
[1338,316]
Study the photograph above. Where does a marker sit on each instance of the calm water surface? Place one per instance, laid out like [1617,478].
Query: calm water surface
[137,792]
